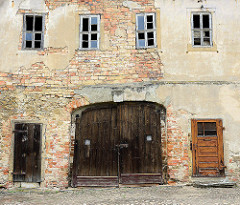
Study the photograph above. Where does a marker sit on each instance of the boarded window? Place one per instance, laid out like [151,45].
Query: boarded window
[33,31]
[201,29]
[89,32]
[145,30]
[27,152]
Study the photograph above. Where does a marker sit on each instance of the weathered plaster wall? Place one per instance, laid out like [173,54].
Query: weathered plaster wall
[46,86]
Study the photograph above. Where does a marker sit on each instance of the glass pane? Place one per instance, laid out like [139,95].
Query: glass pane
[196,21]
[200,128]
[28,36]
[93,27]
[85,24]
[140,22]
[85,37]
[93,36]
[37,44]
[29,23]
[85,44]
[38,36]
[197,34]
[38,23]
[150,26]
[210,128]
[150,42]
[141,43]
[150,18]
[141,36]
[206,21]
[197,41]
[206,34]
[94,20]
[206,41]
[28,44]
[150,35]
[93,44]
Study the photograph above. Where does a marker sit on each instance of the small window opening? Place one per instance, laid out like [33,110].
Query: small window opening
[201,29]
[89,32]
[207,128]
[33,32]
[145,30]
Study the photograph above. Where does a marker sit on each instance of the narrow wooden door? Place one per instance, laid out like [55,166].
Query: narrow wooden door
[27,152]
[95,154]
[207,143]
[140,143]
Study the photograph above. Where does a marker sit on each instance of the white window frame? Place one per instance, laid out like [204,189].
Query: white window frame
[201,29]
[89,32]
[145,31]
[33,32]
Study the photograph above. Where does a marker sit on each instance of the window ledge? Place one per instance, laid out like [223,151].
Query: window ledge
[190,48]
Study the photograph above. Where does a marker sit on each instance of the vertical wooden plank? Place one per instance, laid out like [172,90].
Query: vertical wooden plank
[220,146]
[37,153]
[29,154]
[194,142]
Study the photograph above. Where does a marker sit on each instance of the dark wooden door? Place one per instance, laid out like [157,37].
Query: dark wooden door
[207,140]
[140,137]
[95,158]
[27,152]
[118,143]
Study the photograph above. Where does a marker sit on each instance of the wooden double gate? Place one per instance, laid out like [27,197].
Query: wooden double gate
[118,143]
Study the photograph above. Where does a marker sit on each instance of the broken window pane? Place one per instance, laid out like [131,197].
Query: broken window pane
[85,44]
[85,37]
[141,36]
[85,24]
[38,36]
[206,41]
[29,23]
[38,23]
[94,37]
[150,26]
[93,27]
[196,21]
[205,21]
[210,128]
[197,34]
[150,42]
[206,34]
[150,35]
[28,44]
[150,18]
[197,41]
[140,22]
[37,44]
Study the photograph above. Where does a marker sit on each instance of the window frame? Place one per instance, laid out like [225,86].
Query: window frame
[201,29]
[33,32]
[89,32]
[154,30]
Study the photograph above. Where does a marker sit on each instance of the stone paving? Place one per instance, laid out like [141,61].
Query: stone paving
[123,196]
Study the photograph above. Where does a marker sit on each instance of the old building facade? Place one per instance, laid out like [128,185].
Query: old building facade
[105,92]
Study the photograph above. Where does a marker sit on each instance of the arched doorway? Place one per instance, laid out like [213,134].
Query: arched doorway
[118,143]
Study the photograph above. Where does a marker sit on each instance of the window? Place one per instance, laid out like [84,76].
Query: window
[201,29]
[33,31]
[89,32]
[145,30]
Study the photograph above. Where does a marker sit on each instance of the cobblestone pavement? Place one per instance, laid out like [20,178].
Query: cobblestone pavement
[127,196]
